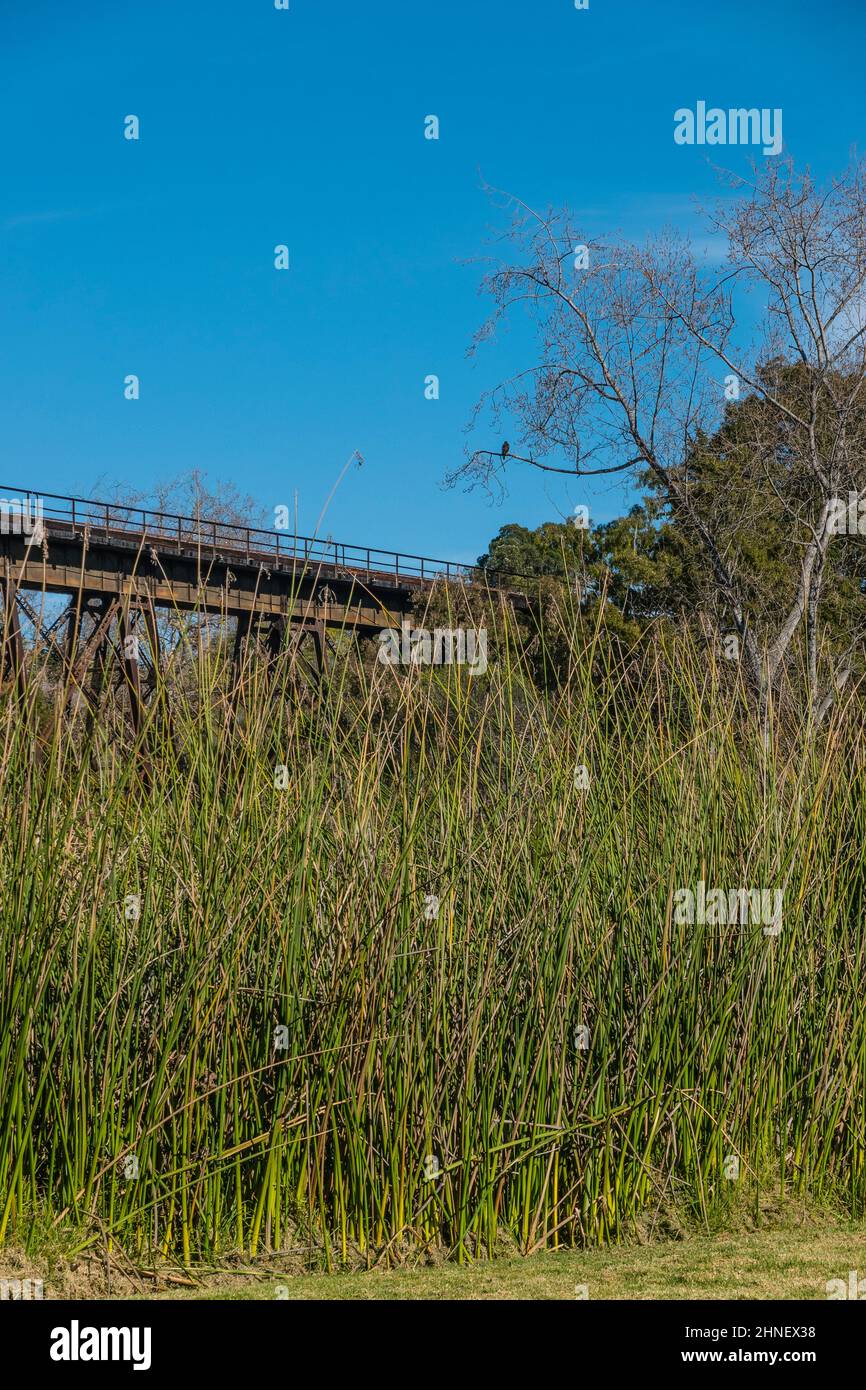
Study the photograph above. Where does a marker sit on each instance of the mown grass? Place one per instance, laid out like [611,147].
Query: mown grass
[788,1262]
[771,1266]
[431,993]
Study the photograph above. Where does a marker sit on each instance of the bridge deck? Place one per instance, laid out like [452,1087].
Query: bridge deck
[188,562]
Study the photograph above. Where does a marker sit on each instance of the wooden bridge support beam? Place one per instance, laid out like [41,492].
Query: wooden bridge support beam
[152,629]
[320,647]
[13,646]
[130,662]
[274,640]
[95,654]
[239,654]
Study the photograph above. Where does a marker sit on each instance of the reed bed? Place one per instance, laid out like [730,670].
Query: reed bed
[374,971]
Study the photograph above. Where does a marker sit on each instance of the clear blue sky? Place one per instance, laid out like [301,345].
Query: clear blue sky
[260,127]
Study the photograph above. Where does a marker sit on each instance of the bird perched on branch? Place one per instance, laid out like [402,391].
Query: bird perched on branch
[505,447]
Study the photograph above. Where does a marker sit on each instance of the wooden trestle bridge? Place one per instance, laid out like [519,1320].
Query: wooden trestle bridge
[120,565]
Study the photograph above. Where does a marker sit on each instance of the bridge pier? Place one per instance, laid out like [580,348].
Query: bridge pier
[94,656]
[130,665]
[13,646]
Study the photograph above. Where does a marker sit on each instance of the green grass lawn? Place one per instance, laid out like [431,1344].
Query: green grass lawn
[757,1265]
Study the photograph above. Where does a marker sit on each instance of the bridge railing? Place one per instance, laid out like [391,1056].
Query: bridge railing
[144,525]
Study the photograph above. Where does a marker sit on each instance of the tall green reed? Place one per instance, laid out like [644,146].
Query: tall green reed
[423,986]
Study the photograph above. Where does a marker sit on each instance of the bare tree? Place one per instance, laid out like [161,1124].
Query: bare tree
[639,347]
[192,496]
[198,502]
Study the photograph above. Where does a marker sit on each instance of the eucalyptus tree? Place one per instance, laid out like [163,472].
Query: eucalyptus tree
[643,349]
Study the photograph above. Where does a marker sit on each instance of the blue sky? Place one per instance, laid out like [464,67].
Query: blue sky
[306,128]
